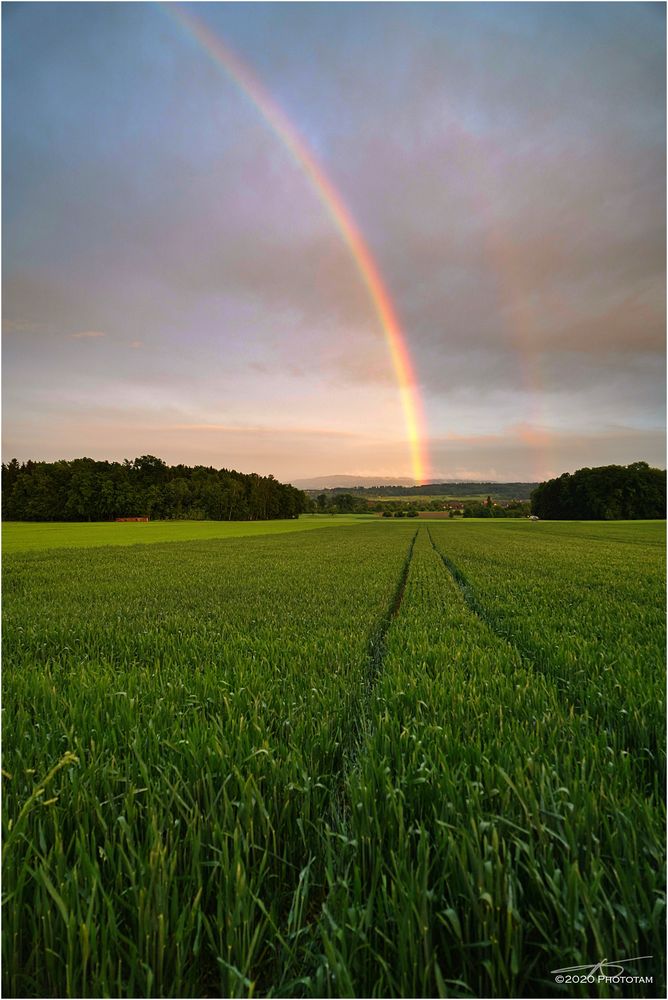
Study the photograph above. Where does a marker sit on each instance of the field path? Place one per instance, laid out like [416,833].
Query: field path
[378,640]
[490,820]
[554,608]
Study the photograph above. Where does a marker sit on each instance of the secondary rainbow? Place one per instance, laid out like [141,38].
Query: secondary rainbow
[238,71]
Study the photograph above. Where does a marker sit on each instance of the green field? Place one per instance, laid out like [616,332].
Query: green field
[23,536]
[388,760]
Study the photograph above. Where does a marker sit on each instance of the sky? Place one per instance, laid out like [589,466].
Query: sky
[173,283]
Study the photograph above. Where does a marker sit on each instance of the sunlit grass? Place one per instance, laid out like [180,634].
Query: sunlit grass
[24,536]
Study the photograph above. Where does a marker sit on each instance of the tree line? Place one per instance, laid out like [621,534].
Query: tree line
[605,493]
[86,490]
[500,491]
[487,508]
[350,503]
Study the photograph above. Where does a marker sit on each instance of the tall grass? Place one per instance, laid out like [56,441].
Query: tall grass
[585,603]
[494,832]
[210,693]
[343,763]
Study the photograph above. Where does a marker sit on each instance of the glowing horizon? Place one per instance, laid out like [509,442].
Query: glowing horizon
[244,78]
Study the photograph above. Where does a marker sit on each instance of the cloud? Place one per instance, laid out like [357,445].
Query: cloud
[275,430]
[11,326]
[508,177]
[538,453]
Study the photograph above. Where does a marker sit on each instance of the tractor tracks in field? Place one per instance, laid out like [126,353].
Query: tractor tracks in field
[470,599]
[544,662]
[376,648]
[527,654]
[375,658]
[360,727]
[312,897]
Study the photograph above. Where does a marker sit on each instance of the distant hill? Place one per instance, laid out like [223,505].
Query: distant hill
[348,482]
[370,488]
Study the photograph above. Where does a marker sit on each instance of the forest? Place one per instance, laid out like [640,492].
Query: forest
[88,490]
[606,493]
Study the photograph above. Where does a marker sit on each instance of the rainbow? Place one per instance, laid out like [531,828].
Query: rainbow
[241,74]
